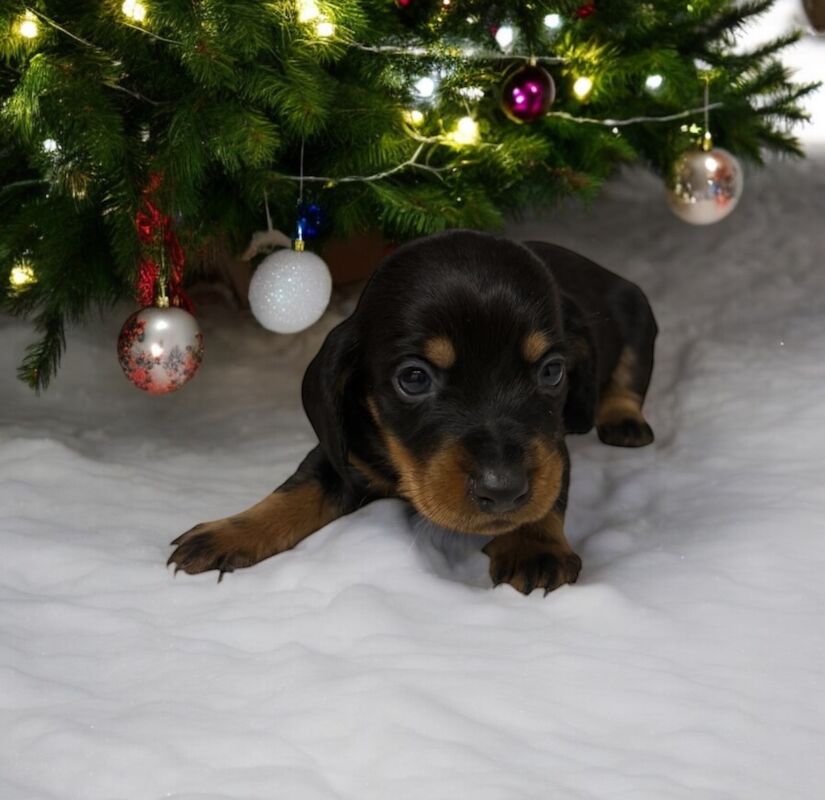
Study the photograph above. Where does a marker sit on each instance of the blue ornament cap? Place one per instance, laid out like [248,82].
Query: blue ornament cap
[310,221]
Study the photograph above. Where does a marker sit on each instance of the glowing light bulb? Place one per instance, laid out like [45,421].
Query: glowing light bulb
[425,86]
[307,10]
[134,9]
[49,146]
[325,29]
[504,36]
[582,87]
[553,21]
[414,117]
[654,82]
[22,275]
[28,27]
[466,131]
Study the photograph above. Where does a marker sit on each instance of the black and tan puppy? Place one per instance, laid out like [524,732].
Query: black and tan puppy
[453,385]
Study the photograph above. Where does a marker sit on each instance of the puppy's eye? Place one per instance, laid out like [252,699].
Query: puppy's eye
[551,372]
[414,380]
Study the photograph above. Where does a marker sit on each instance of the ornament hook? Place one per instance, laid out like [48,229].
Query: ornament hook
[707,139]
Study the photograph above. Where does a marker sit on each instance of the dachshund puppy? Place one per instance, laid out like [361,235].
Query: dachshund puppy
[453,385]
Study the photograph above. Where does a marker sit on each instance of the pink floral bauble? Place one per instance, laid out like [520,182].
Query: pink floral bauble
[160,349]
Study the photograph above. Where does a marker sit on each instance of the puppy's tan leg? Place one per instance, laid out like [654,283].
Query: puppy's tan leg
[534,556]
[619,419]
[306,502]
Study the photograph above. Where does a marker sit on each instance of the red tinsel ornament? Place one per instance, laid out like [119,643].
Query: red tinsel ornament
[160,346]
[156,232]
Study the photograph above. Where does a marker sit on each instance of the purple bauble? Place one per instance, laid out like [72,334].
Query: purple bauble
[527,94]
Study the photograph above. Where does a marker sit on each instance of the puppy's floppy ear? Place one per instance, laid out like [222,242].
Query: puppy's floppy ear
[582,388]
[324,391]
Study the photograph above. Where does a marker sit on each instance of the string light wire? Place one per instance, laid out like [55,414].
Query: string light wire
[618,123]
[465,55]
[413,161]
[60,28]
[151,34]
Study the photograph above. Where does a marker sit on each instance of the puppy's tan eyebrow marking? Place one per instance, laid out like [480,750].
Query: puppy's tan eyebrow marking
[534,346]
[440,351]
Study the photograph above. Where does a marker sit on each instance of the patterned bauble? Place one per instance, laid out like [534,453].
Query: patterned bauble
[290,290]
[704,186]
[528,93]
[160,348]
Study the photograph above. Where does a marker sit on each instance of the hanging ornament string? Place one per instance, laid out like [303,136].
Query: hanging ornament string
[299,234]
[301,178]
[707,142]
[157,235]
[265,241]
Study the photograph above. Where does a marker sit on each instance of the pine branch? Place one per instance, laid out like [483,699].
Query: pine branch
[43,357]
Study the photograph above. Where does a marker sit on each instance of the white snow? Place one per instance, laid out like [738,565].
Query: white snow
[374,662]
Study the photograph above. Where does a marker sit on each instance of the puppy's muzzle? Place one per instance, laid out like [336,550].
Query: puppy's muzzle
[497,490]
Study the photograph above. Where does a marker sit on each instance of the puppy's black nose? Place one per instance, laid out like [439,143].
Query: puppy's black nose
[500,489]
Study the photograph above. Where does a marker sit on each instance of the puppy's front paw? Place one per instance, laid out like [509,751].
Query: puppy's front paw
[628,432]
[528,564]
[211,545]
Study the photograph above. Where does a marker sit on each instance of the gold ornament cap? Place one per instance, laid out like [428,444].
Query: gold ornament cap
[162,300]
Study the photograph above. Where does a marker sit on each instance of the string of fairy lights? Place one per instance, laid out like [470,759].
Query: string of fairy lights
[466,131]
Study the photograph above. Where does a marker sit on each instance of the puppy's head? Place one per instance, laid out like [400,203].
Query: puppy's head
[459,351]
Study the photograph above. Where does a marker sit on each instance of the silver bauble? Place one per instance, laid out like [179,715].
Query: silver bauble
[704,186]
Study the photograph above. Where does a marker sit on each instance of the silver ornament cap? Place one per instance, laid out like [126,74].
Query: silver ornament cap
[704,186]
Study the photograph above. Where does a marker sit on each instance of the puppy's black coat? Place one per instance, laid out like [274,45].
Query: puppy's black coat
[453,385]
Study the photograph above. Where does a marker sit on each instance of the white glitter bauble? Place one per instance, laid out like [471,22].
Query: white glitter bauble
[704,186]
[290,290]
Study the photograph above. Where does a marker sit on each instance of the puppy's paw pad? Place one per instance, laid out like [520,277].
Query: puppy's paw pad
[208,546]
[629,432]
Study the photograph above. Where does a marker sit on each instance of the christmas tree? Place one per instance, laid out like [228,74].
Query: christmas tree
[404,115]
